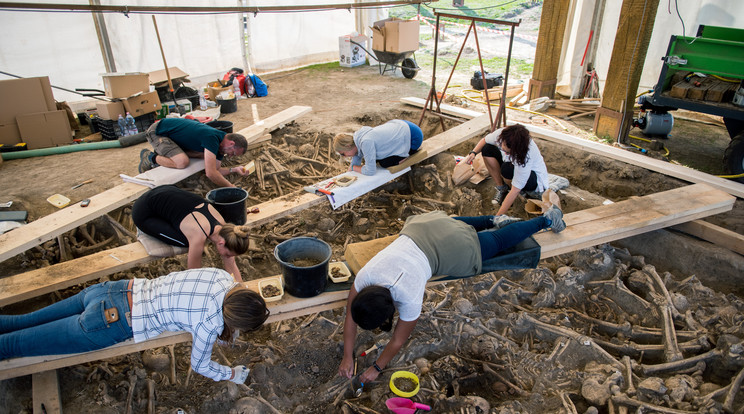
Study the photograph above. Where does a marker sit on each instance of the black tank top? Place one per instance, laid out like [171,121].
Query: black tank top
[174,204]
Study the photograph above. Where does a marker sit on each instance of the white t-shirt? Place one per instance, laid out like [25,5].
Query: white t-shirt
[533,162]
[402,268]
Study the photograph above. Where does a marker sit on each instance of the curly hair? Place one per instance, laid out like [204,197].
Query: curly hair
[517,138]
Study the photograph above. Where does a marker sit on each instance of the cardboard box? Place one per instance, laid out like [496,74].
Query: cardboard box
[9,134]
[110,110]
[142,104]
[159,77]
[395,35]
[349,54]
[214,89]
[24,96]
[45,129]
[183,103]
[124,85]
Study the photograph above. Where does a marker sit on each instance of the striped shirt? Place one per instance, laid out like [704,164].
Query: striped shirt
[189,301]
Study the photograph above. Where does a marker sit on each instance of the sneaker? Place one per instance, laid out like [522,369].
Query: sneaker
[503,221]
[501,192]
[555,215]
[145,163]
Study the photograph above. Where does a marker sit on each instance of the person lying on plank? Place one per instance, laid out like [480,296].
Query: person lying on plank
[389,144]
[180,218]
[512,157]
[207,303]
[175,140]
[429,244]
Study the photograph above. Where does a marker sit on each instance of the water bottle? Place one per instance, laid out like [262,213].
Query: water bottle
[236,88]
[131,126]
[122,125]
[203,100]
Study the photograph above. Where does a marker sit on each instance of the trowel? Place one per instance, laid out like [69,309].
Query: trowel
[401,405]
[315,190]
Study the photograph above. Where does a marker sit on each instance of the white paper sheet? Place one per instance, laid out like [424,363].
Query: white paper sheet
[362,185]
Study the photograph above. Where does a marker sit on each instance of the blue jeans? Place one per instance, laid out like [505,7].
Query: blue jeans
[417,136]
[492,242]
[76,324]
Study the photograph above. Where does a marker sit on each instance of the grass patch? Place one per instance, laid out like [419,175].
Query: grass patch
[517,68]
[503,10]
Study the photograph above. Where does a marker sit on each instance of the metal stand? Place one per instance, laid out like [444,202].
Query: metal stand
[433,96]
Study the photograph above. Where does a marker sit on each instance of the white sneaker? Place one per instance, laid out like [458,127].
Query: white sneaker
[504,220]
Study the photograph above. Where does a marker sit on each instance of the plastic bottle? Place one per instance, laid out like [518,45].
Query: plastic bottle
[203,100]
[122,125]
[236,88]
[131,126]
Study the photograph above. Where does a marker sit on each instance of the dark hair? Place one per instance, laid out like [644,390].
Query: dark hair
[372,308]
[242,309]
[517,138]
[236,237]
[238,139]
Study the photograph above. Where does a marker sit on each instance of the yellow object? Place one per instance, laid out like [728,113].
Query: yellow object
[58,200]
[276,282]
[250,167]
[404,374]
[344,271]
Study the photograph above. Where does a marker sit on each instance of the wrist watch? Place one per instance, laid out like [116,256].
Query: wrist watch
[377,367]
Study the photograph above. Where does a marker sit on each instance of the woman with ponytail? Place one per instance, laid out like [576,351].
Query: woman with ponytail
[207,303]
[179,218]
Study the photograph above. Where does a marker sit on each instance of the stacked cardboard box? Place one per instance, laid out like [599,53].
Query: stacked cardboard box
[29,114]
[395,35]
[131,93]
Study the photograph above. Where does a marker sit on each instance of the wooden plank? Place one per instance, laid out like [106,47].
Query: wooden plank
[602,224]
[585,228]
[445,108]
[714,234]
[70,273]
[51,226]
[287,308]
[46,228]
[45,386]
[677,171]
[416,158]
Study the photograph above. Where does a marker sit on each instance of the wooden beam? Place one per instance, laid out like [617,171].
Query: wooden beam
[585,228]
[48,227]
[548,50]
[45,392]
[639,160]
[124,9]
[626,64]
[601,224]
[714,234]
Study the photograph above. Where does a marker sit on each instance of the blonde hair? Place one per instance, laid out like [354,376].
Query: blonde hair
[343,142]
[236,237]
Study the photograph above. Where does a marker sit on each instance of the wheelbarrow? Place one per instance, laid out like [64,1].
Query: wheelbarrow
[406,61]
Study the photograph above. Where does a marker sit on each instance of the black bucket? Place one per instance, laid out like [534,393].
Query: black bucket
[304,282]
[230,202]
[227,106]
[224,126]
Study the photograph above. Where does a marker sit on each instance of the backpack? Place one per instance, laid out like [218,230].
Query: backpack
[254,84]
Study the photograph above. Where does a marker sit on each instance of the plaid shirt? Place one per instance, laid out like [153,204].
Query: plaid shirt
[184,301]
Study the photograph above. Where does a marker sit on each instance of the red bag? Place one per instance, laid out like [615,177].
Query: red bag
[237,75]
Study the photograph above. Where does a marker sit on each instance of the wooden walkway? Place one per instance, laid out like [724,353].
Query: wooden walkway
[585,228]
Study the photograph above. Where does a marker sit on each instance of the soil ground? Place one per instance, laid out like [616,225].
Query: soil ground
[294,362]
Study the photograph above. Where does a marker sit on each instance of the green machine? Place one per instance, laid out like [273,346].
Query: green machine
[703,74]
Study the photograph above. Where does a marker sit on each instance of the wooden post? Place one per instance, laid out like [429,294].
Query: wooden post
[548,51]
[636,24]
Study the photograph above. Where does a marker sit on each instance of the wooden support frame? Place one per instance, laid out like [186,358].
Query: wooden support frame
[538,88]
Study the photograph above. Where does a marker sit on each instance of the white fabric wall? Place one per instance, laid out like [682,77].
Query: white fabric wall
[729,13]
[64,46]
